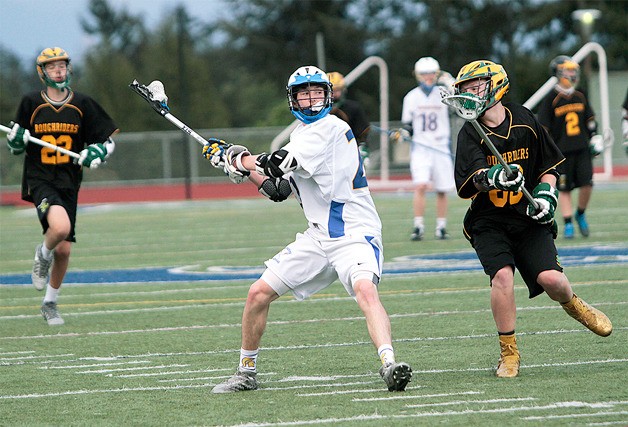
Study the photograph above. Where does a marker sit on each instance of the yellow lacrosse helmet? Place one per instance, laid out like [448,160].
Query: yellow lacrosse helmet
[566,70]
[52,54]
[495,75]
[337,80]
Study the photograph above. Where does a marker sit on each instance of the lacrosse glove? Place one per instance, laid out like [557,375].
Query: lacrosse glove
[234,169]
[214,150]
[546,197]
[17,139]
[93,156]
[400,135]
[596,145]
[498,178]
[364,153]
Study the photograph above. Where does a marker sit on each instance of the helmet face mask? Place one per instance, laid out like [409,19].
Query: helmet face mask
[49,55]
[566,70]
[303,90]
[490,75]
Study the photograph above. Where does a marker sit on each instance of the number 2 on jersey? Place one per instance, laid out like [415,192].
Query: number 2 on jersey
[51,157]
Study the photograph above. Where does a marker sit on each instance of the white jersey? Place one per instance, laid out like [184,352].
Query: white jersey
[429,118]
[330,182]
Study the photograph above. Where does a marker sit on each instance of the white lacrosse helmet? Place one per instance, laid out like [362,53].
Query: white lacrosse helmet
[425,65]
[309,76]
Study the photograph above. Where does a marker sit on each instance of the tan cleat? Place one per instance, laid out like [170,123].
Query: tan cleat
[590,317]
[508,364]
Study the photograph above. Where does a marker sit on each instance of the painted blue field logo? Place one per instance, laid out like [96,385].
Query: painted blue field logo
[447,262]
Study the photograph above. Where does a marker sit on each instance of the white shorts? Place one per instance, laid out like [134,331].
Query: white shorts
[307,265]
[428,166]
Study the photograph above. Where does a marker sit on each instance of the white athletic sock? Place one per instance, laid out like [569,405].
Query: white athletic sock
[418,222]
[248,360]
[441,223]
[386,354]
[51,294]
[47,253]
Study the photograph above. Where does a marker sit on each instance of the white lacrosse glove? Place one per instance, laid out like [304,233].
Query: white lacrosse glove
[546,197]
[214,151]
[596,145]
[400,135]
[234,169]
[498,178]
[17,139]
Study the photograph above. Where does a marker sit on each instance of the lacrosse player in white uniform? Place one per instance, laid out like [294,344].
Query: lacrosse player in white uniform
[343,239]
[426,121]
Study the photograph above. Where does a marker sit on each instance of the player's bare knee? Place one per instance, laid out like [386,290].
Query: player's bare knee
[552,280]
[503,279]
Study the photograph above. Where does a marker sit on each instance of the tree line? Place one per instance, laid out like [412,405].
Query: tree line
[233,72]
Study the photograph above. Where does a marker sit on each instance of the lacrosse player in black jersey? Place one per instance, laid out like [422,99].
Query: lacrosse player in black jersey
[504,228]
[567,115]
[51,180]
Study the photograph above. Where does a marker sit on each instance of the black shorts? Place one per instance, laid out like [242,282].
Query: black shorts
[45,195]
[522,243]
[576,171]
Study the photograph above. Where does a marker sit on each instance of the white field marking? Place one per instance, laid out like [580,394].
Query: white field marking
[360,391]
[595,414]
[16,352]
[229,302]
[609,423]
[414,396]
[470,402]
[158,374]
[315,378]
[277,322]
[219,377]
[140,368]
[111,390]
[388,418]
[35,357]
[67,295]
[298,387]
[539,365]
[132,362]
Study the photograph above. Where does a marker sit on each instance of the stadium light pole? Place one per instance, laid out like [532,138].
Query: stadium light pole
[586,19]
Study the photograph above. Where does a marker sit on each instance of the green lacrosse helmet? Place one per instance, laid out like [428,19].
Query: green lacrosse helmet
[497,83]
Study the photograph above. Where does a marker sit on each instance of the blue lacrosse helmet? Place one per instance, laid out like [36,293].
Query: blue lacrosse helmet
[305,77]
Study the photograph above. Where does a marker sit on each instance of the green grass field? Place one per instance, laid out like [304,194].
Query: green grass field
[135,353]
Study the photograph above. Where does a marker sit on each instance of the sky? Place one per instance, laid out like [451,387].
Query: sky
[29,26]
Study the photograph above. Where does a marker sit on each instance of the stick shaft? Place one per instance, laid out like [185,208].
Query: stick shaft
[45,144]
[185,128]
[501,160]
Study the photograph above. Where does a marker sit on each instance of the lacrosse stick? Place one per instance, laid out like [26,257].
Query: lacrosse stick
[408,140]
[155,95]
[38,141]
[469,107]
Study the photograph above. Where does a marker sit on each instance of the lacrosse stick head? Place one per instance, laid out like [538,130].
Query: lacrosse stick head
[154,94]
[157,92]
[466,105]
[485,79]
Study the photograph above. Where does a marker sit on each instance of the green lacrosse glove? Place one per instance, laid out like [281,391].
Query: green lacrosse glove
[364,153]
[596,145]
[93,156]
[498,178]
[546,197]
[17,139]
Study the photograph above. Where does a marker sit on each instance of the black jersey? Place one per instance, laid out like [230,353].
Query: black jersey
[567,117]
[76,123]
[520,139]
[351,112]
